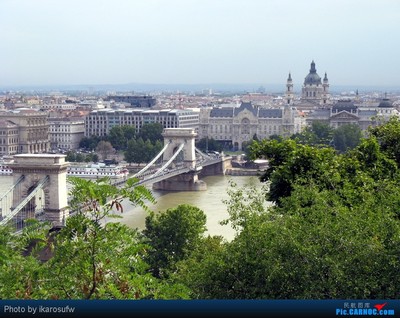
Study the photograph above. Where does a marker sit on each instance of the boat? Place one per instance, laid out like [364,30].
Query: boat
[98,170]
[5,169]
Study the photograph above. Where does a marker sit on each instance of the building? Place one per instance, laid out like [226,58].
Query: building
[99,122]
[33,131]
[9,137]
[66,133]
[348,112]
[235,125]
[314,92]
[134,100]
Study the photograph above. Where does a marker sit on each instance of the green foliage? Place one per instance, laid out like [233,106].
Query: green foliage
[291,163]
[243,204]
[89,142]
[139,151]
[152,132]
[202,272]
[118,136]
[73,156]
[90,258]
[208,144]
[318,134]
[311,247]
[346,137]
[388,136]
[172,236]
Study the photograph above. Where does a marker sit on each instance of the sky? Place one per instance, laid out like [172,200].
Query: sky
[55,42]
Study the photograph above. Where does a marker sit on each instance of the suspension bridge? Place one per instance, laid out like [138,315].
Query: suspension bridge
[39,187]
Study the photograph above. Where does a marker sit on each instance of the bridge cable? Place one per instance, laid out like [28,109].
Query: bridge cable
[25,201]
[151,162]
[168,162]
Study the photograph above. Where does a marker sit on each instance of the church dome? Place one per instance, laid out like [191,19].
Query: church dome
[312,78]
[385,103]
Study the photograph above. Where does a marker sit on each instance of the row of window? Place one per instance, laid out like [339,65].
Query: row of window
[7,141]
[8,150]
[228,129]
[9,132]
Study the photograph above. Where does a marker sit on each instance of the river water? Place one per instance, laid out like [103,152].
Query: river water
[210,201]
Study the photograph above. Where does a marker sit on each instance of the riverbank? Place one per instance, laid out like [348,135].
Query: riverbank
[243,172]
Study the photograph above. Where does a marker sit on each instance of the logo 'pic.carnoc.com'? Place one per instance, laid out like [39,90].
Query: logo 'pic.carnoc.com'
[364,309]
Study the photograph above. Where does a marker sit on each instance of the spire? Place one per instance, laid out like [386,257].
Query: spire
[290,77]
[325,78]
[312,69]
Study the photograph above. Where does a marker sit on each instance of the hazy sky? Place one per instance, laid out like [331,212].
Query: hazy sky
[46,42]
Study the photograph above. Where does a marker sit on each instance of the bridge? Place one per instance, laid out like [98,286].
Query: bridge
[182,163]
[39,187]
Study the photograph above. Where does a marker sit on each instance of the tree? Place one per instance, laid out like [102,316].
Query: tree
[173,235]
[311,247]
[71,156]
[89,142]
[291,163]
[135,152]
[117,138]
[95,157]
[90,258]
[105,149]
[318,134]
[388,136]
[152,132]
[79,157]
[346,137]
[208,144]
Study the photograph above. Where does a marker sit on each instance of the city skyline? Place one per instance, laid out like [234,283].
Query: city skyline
[172,42]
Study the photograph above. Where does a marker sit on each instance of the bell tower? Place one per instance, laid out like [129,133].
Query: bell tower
[289,90]
[325,92]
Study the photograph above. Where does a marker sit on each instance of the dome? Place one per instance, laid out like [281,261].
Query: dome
[312,78]
[385,103]
[344,105]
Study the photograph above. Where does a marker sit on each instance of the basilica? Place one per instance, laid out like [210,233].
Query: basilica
[234,126]
[314,92]
[317,104]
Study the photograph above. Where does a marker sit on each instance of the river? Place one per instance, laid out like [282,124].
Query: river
[210,201]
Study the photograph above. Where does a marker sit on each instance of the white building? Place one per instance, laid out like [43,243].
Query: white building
[348,112]
[99,122]
[234,125]
[66,133]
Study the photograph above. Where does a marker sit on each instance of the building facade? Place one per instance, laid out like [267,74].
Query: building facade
[348,112]
[33,131]
[66,133]
[134,100]
[9,137]
[314,92]
[99,122]
[233,126]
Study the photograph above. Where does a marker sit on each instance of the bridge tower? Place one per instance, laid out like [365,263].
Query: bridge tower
[49,170]
[175,138]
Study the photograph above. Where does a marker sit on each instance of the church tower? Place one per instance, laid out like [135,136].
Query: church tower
[325,94]
[289,90]
[312,90]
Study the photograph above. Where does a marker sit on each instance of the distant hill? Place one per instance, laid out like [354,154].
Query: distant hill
[144,88]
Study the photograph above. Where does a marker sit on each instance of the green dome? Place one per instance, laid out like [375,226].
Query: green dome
[385,103]
[312,78]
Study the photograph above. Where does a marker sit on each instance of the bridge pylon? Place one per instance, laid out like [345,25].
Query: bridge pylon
[36,168]
[175,137]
